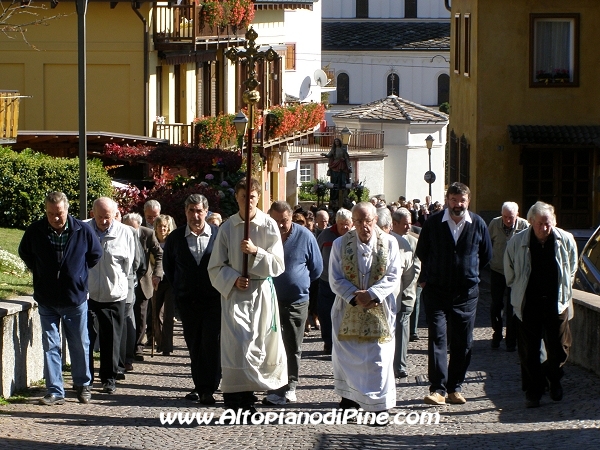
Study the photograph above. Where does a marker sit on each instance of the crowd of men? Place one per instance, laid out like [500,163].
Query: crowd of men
[243,290]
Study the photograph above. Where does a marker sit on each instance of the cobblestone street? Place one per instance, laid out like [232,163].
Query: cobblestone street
[493,417]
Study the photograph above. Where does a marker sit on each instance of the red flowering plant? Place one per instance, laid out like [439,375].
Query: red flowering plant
[241,13]
[215,132]
[212,13]
[126,151]
[287,120]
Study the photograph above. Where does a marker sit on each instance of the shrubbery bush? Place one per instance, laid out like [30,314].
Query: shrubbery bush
[26,178]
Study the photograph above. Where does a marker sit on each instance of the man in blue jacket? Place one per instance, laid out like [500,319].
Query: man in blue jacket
[303,265]
[59,250]
[453,247]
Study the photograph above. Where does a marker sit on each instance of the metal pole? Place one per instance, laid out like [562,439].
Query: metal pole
[248,185]
[429,151]
[81,6]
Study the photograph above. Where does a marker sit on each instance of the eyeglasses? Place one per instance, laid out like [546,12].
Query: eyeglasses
[363,221]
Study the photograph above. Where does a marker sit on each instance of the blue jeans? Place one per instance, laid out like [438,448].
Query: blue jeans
[74,319]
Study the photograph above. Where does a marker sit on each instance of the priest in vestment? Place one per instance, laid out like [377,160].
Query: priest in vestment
[363,273]
[252,353]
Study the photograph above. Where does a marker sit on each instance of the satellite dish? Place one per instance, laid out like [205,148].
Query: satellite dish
[305,89]
[320,78]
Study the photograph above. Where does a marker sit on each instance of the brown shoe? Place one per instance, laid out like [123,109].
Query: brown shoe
[434,399]
[456,398]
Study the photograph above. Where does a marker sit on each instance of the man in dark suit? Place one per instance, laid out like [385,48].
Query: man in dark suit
[453,246]
[147,283]
[187,252]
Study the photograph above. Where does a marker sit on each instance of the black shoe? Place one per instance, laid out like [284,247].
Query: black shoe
[414,337]
[556,391]
[495,343]
[84,394]
[120,376]
[346,403]
[51,400]
[207,399]
[139,357]
[401,374]
[108,387]
[193,396]
[165,353]
[327,349]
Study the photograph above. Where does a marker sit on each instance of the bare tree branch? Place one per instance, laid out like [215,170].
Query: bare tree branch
[16,16]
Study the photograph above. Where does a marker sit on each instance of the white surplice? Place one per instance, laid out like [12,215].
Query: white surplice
[364,371]
[252,354]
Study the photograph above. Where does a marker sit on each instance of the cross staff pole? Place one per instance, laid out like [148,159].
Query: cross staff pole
[251,96]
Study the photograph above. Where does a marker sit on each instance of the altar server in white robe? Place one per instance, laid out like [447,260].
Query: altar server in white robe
[252,354]
[364,275]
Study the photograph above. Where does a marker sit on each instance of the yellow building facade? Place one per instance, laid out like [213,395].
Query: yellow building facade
[525,116]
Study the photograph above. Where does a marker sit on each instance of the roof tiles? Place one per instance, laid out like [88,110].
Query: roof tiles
[385,36]
[394,108]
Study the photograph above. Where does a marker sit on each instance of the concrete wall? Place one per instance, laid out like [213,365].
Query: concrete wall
[21,354]
[585,330]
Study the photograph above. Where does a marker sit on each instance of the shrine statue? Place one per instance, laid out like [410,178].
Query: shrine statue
[339,164]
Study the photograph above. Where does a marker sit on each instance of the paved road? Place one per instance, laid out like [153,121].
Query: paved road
[493,417]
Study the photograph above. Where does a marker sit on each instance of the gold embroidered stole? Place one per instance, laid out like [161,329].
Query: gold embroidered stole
[360,324]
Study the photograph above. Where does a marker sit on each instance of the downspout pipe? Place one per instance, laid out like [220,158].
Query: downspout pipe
[448,5]
[146,64]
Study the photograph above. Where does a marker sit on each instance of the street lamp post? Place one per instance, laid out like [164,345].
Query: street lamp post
[251,96]
[429,175]
[240,121]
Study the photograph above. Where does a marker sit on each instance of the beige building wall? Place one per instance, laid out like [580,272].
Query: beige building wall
[115,84]
[497,92]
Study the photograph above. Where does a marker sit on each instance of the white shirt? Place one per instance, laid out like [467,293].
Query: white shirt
[197,243]
[456,228]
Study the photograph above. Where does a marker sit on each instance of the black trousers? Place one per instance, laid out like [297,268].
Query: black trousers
[140,311]
[541,321]
[126,352]
[163,304]
[201,331]
[453,319]
[109,329]
[499,292]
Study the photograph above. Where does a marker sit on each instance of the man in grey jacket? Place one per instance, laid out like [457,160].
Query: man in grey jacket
[501,230]
[407,244]
[539,265]
[108,285]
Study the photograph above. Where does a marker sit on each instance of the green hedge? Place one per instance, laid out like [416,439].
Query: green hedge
[26,178]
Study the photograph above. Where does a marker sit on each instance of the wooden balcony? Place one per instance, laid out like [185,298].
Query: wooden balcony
[9,116]
[307,143]
[179,27]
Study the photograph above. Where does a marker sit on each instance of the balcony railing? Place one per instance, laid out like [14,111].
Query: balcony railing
[308,142]
[176,133]
[182,24]
[9,116]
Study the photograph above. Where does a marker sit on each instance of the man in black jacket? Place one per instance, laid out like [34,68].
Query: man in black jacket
[185,261]
[59,250]
[453,246]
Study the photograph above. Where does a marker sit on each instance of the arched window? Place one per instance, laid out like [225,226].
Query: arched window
[443,89]
[410,9]
[343,89]
[362,9]
[393,84]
